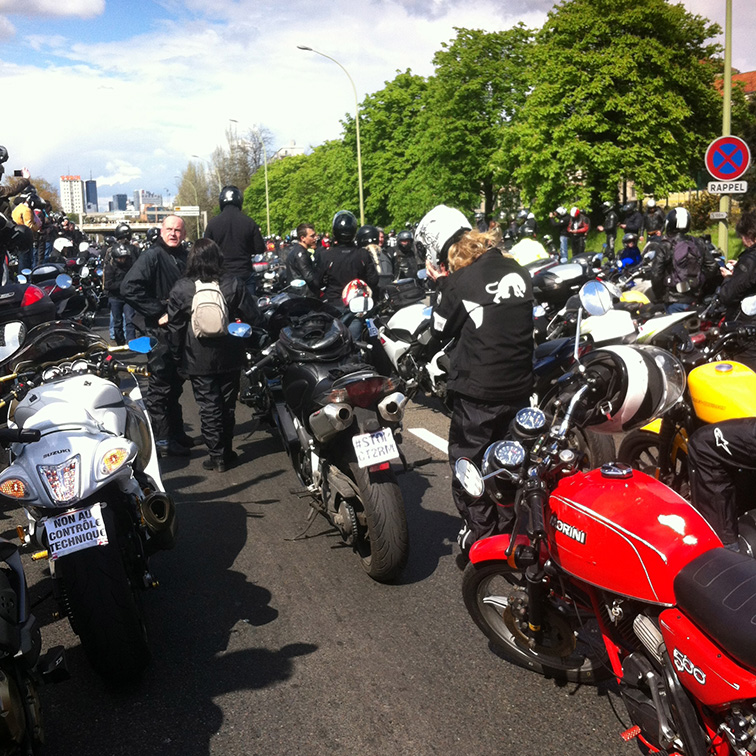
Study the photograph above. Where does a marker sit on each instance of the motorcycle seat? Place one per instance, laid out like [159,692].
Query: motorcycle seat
[717,590]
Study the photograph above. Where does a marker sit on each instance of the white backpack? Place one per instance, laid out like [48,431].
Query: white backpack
[209,311]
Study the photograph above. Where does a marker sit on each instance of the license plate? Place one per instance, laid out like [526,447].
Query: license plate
[374,448]
[76,530]
[372,328]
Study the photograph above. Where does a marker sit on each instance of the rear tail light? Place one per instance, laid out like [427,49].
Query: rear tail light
[31,295]
[368,391]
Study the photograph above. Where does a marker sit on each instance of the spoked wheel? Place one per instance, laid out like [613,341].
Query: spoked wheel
[571,647]
[640,449]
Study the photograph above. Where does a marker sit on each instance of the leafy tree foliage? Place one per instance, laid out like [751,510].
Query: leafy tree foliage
[47,192]
[621,91]
[744,126]
[194,188]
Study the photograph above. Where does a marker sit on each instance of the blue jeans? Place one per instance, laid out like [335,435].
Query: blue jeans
[122,315]
[677,307]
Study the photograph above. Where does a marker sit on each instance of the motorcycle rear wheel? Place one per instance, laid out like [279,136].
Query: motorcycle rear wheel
[640,449]
[570,649]
[383,545]
[104,609]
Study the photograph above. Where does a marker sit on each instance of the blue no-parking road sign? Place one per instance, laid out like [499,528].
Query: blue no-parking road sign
[728,158]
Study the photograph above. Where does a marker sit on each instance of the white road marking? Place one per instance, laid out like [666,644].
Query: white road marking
[431,438]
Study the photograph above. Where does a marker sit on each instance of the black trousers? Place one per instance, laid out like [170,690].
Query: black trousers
[216,400]
[475,425]
[717,453]
[164,388]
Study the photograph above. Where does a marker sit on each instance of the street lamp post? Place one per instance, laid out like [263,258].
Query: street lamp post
[357,126]
[212,167]
[265,170]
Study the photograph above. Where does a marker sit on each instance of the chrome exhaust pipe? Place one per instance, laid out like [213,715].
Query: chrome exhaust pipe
[330,420]
[391,407]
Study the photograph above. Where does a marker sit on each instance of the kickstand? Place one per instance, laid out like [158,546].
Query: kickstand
[310,519]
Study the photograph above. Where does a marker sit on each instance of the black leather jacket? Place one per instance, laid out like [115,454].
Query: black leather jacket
[239,238]
[299,264]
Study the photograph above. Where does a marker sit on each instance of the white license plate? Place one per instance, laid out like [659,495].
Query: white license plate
[76,530]
[374,448]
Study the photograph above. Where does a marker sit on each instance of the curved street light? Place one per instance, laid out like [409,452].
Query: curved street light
[357,126]
[265,167]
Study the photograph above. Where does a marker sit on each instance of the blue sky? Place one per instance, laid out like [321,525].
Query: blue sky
[129,91]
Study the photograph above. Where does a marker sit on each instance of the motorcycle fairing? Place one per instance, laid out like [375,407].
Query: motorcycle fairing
[629,536]
[702,666]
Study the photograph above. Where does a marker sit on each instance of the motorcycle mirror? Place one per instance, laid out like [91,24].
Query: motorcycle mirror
[242,330]
[22,279]
[596,298]
[26,271]
[63,281]
[748,305]
[469,476]
[422,274]
[142,345]
[99,271]
[360,304]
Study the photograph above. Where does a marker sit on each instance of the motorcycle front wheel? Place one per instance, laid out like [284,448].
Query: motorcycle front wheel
[383,544]
[640,449]
[571,647]
[104,609]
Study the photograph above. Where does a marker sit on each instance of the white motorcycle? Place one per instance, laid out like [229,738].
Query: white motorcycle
[90,486]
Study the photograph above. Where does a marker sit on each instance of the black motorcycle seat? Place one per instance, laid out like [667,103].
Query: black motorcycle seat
[717,590]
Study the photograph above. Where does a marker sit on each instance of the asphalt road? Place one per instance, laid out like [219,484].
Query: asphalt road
[265,643]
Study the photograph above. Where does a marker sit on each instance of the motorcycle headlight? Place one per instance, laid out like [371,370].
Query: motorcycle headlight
[63,481]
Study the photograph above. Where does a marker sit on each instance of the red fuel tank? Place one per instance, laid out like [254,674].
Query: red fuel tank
[628,535]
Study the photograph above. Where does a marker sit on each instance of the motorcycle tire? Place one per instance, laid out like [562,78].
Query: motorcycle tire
[572,648]
[104,609]
[598,448]
[640,450]
[384,545]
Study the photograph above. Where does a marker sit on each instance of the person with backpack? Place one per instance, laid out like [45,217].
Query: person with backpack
[200,306]
[682,264]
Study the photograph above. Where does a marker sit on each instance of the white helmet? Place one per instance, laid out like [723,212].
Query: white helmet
[561,210]
[637,383]
[574,211]
[651,203]
[437,231]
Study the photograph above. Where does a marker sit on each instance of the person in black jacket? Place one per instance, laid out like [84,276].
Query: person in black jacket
[238,237]
[213,364]
[654,219]
[741,283]
[486,304]
[146,288]
[609,227]
[299,264]
[118,261]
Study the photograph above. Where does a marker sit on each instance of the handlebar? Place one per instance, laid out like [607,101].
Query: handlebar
[22,435]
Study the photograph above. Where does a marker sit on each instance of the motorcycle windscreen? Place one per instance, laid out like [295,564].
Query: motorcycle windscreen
[629,535]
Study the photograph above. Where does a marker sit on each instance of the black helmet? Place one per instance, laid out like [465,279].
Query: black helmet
[344,227]
[153,234]
[678,221]
[367,235]
[630,239]
[122,231]
[405,239]
[3,154]
[230,195]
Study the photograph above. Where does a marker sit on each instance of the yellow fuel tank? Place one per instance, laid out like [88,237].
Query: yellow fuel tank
[723,391]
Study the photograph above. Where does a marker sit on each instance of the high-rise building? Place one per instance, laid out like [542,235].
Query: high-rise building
[119,201]
[90,194]
[142,197]
[72,194]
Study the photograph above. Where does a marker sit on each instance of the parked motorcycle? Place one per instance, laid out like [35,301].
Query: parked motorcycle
[340,423]
[611,573]
[90,486]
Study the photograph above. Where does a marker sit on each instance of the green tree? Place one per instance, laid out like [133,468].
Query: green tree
[47,192]
[194,188]
[622,90]
[479,86]
[744,126]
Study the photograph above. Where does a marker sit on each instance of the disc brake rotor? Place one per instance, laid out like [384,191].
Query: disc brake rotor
[557,638]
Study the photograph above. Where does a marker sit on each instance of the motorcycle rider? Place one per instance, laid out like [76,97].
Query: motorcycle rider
[118,261]
[15,186]
[367,238]
[146,288]
[716,454]
[238,236]
[406,262]
[633,223]
[609,227]
[24,215]
[485,302]
[299,263]
[675,295]
[578,229]
[653,221]
[344,261]
[629,254]
[560,220]
[741,283]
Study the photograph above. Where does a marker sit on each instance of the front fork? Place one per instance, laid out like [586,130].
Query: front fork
[535,578]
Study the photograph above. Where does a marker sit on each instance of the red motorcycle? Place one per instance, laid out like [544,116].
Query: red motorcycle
[611,573]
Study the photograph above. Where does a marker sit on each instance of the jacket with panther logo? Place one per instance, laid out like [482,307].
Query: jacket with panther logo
[488,308]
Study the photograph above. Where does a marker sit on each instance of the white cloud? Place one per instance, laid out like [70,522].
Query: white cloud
[7,30]
[119,172]
[56,8]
